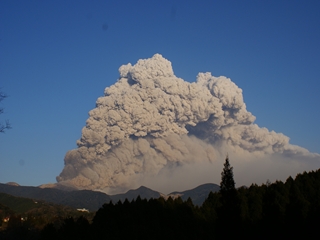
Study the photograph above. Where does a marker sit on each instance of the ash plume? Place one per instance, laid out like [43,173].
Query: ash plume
[155,129]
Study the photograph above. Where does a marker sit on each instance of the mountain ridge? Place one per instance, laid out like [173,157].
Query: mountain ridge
[198,194]
[93,200]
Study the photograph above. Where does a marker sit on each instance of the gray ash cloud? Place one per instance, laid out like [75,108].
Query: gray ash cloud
[152,127]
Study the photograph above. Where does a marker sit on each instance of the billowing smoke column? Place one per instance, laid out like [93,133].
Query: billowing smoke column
[150,121]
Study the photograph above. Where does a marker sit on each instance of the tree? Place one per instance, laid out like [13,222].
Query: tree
[6,125]
[229,212]
[227,182]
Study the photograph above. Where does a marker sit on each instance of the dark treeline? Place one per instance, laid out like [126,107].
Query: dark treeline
[289,209]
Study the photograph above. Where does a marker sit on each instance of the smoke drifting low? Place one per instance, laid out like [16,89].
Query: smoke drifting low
[152,128]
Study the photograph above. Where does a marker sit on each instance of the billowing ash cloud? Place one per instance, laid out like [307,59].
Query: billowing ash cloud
[156,129]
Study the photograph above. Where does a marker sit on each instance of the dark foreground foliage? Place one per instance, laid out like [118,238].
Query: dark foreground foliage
[289,209]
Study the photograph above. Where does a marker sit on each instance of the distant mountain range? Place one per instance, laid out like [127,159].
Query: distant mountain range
[199,194]
[93,200]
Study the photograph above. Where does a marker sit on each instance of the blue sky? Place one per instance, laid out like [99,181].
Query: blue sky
[57,57]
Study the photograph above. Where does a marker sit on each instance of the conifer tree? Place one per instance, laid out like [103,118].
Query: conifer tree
[229,212]
[227,182]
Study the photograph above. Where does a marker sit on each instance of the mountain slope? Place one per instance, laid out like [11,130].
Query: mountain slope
[77,199]
[198,194]
[143,192]
[93,200]
[17,204]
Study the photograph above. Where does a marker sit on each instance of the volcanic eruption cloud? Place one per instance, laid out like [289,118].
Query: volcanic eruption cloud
[154,129]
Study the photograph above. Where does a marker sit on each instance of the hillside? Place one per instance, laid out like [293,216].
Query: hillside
[18,205]
[93,200]
[290,209]
[77,199]
[199,194]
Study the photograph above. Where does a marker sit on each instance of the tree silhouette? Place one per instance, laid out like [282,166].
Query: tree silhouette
[227,182]
[229,212]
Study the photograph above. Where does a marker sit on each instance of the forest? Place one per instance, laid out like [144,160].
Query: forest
[289,209]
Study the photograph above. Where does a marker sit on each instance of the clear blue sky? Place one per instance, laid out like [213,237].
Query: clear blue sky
[56,58]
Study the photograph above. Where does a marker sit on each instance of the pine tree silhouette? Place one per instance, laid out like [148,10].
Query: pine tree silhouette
[229,212]
[227,182]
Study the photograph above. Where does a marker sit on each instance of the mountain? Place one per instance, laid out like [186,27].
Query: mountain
[90,200]
[93,200]
[17,204]
[12,183]
[21,205]
[143,192]
[198,194]
[30,214]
